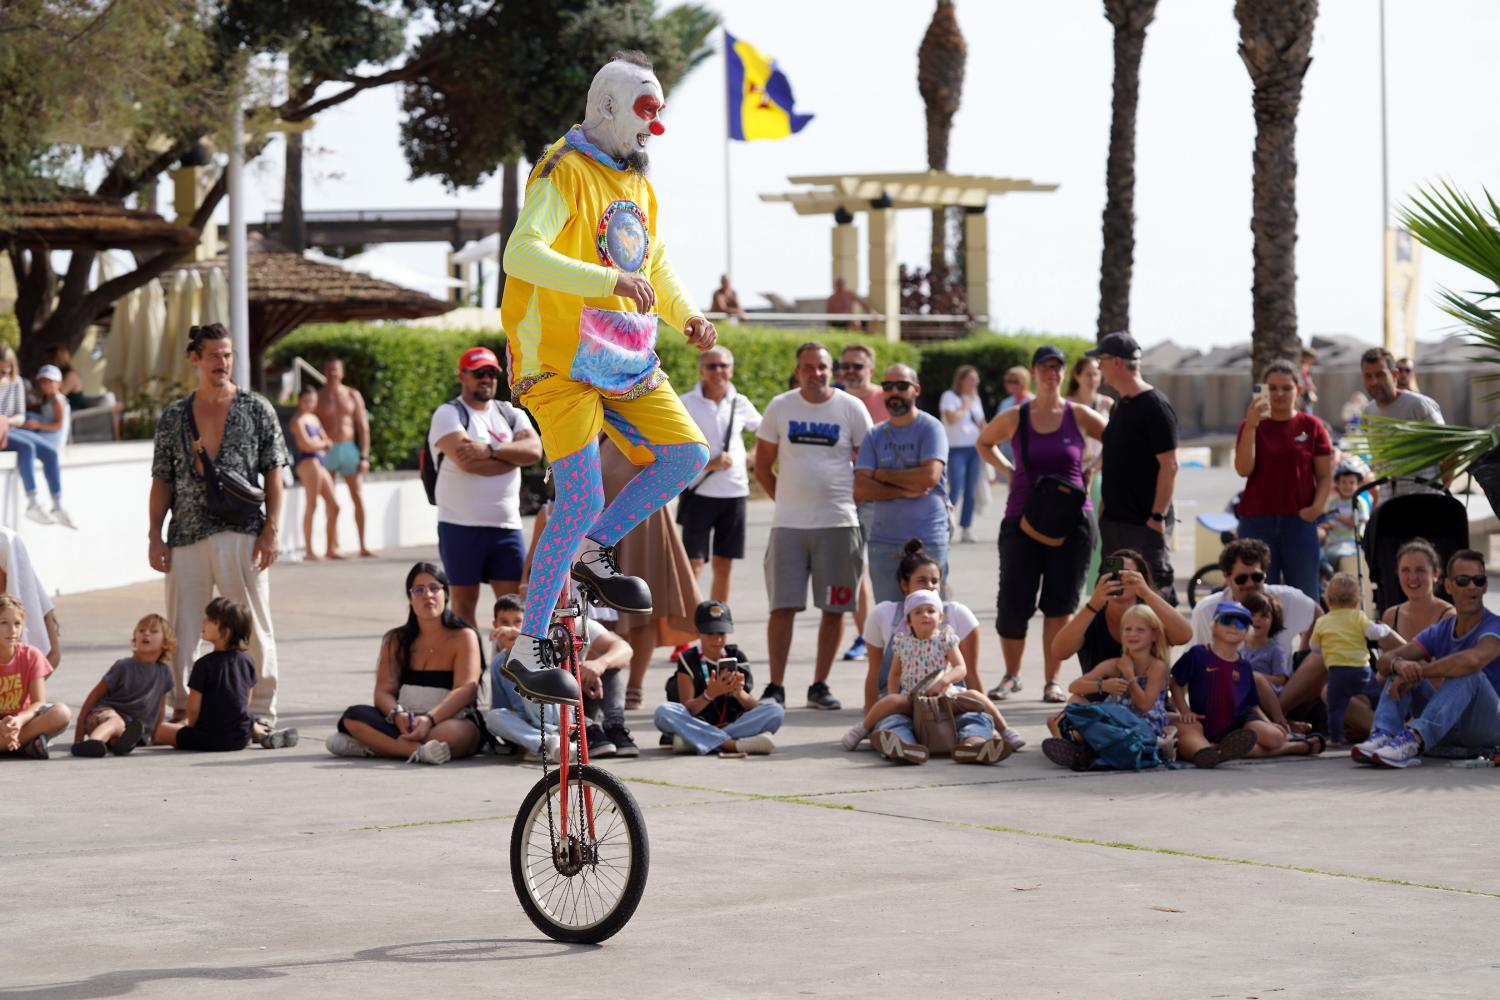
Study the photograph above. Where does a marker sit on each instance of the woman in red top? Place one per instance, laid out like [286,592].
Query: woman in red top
[1285,457]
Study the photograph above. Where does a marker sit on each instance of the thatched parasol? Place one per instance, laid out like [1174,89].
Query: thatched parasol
[87,222]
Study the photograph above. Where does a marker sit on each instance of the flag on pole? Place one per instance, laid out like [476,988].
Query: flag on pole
[760,96]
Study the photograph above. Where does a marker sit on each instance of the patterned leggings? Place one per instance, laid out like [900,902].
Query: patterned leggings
[579,510]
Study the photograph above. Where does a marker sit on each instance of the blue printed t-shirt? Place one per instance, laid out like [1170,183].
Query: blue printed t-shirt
[892,447]
[1439,641]
[1220,690]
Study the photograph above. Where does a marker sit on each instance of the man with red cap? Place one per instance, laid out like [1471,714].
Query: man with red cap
[480,445]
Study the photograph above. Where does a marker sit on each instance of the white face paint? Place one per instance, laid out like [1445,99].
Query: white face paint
[624,109]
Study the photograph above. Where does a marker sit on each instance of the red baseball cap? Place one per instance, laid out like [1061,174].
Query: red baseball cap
[478,357]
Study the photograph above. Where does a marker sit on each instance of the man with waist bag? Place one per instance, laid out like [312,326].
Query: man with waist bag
[220,538]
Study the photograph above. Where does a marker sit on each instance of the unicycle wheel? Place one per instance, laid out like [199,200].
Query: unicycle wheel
[586,889]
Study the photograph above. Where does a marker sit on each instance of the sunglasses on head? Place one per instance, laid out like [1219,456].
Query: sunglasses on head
[1244,578]
[1231,621]
[485,373]
[901,386]
[716,366]
[1463,580]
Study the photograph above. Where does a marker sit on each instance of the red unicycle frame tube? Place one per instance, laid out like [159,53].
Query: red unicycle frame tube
[565,723]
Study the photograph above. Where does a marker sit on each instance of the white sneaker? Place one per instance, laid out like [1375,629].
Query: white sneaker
[680,745]
[432,752]
[760,743]
[344,745]
[61,517]
[35,512]
[1012,739]
[1404,750]
[1365,752]
[965,536]
[549,745]
[854,737]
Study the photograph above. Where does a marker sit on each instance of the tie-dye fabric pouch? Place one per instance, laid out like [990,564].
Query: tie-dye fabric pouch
[616,350]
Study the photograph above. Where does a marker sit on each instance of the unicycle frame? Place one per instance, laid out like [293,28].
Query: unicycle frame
[572,642]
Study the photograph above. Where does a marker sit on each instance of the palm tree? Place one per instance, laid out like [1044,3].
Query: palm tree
[1130,18]
[1276,46]
[940,80]
[1454,225]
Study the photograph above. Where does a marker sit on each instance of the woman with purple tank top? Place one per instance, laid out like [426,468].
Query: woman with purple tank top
[1055,445]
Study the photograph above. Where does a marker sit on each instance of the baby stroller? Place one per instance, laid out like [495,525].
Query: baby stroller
[1438,517]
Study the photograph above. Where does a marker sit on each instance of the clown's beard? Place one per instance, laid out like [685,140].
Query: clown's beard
[638,161]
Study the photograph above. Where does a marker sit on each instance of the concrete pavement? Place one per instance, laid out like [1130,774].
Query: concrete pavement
[813,871]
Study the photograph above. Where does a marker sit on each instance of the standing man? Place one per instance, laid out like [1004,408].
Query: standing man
[899,474]
[1406,375]
[712,510]
[1139,461]
[1387,399]
[842,302]
[341,409]
[815,432]
[482,445]
[856,368]
[726,300]
[203,553]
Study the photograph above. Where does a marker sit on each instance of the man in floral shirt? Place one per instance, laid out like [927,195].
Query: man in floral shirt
[203,553]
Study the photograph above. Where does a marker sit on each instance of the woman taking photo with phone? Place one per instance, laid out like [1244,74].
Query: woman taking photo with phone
[1095,634]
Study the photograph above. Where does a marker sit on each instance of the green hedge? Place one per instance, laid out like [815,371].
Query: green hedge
[406,372]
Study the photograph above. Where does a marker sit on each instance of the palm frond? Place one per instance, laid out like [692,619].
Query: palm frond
[1452,224]
[1406,447]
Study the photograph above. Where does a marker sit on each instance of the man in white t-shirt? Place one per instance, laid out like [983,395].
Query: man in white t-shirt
[712,510]
[1243,563]
[814,432]
[480,445]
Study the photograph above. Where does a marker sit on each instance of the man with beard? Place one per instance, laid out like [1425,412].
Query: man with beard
[483,444]
[901,472]
[585,276]
[1378,369]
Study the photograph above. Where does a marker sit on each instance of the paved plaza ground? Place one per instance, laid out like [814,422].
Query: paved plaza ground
[811,872]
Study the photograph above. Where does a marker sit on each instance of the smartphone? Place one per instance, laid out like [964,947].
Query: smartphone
[728,665]
[1111,566]
[1261,393]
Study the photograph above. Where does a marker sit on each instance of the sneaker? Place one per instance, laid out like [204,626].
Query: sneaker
[664,740]
[894,748]
[276,739]
[977,751]
[89,748]
[598,568]
[857,651]
[1232,747]
[1404,750]
[35,512]
[760,743]
[61,517]
[549,746]
[854,737]
[681,745]
[624,745]
[135,731]
[599,744]
[966,537]
[1012,738]
[1066,753]
[530,666]
[774,692]
[819,697]
[1364,753]
[432,752]
[344,745]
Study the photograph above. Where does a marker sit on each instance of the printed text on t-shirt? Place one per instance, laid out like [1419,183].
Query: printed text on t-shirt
[812,432]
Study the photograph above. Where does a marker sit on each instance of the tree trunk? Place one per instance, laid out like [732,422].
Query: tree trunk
[1130,19]
[940,81]
[510,210]
[293,232]
[1276,46]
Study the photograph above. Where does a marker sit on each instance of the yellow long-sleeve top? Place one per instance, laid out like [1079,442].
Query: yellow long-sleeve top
[584,222]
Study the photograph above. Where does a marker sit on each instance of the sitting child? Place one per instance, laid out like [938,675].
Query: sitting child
[1262,651]
[27,721]
[925,659]
[1340,636]
[219,689]
[123,709]
[1344,519]
[709,705]
[1136,680]
[513,719]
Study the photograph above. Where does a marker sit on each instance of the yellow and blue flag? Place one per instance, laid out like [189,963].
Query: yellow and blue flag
[760,96]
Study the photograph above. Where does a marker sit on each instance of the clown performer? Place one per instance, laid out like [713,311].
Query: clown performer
[585,275]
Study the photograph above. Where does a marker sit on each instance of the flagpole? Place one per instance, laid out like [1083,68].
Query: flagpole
[728,214]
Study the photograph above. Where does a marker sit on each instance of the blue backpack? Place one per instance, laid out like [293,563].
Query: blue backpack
[1123,740]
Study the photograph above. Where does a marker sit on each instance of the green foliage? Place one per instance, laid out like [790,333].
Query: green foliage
[992,354]
[141,411]
[10,330]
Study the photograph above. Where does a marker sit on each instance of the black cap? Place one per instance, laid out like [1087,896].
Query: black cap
[1116,345]
[713,617]
[1048,353]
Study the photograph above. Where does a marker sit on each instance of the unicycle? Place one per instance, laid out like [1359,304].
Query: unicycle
[578,850]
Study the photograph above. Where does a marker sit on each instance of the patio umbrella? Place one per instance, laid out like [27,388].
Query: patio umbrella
[184,301]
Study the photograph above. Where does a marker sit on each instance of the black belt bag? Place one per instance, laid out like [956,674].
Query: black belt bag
[229,496]
[1054,507]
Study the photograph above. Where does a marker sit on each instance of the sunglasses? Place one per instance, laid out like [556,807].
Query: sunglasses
[426,588]
[1470,581]
[902,386]
[1403,371]
[1245,578]
[716,366]
[485,373]
[852,366]
[1231,621]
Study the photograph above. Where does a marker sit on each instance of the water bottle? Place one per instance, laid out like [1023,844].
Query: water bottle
[1474,762]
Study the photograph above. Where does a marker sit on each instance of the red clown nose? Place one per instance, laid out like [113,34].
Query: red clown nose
[657,128]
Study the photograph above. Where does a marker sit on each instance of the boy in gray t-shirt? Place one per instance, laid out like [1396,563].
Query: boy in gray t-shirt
[124,708]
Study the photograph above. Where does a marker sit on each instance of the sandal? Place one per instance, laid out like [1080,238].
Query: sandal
[999,692]
[1052,693]
[1316,743]
[36,748]
[633,697]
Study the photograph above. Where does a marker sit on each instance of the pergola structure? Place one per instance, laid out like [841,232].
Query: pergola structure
[882,195]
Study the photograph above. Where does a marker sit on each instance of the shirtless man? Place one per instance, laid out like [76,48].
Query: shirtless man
[347,424]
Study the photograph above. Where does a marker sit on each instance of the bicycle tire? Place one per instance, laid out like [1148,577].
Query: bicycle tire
[536,900]
[1204,582]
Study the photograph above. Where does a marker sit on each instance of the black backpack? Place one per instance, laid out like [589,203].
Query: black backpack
[428,461]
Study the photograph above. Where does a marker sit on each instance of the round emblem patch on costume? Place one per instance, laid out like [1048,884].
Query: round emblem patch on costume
[623,241]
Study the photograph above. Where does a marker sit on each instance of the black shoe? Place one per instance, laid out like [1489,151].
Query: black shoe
[624,745]
[819,697]
[1066,753]
[597,568]
[599,744]
[665,741]
[774,692]
[135,731]
[89,748]
[530,668]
